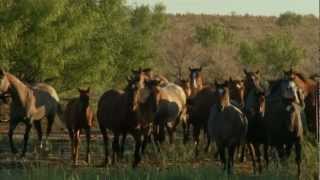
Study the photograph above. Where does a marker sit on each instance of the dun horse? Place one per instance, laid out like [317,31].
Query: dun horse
[29,105]
[227,125]
[78,115]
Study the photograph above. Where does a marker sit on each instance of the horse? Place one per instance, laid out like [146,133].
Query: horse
[199,111]
[283,120]
[170,103]
[29,105]
[196,80]
[227,125]
[308,86]
[126,111]
[79,115]
[254,109]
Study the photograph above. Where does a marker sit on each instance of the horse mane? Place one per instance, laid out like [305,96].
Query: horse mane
[300,76]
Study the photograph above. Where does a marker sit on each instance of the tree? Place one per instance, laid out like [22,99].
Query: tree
[275,52]
[289,18]
[76,43]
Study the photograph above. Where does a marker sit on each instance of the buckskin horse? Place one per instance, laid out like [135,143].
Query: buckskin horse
[79,115]
[29,105]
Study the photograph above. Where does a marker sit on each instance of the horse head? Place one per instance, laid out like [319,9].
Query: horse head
[237,90]
[4,83]
[223,94]
[84,97]
[196,80]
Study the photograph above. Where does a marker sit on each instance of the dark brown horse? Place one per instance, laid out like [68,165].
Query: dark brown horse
[29,105]
[283,120]
[227,125]
[308,86]
[125,112]
[254,110]
[79,115]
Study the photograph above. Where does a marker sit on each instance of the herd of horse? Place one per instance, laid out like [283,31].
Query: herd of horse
[242,114]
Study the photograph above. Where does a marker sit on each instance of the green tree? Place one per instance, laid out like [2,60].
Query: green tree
[76,43]
[275,52]
[289,18]
[213,34]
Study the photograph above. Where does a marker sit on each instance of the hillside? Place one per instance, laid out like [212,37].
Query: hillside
[178,48]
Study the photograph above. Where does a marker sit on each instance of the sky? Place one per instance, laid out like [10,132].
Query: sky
[252,7]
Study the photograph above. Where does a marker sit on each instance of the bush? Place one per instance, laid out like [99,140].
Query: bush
[289,18]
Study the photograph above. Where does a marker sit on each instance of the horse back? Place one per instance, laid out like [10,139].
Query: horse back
[113,109]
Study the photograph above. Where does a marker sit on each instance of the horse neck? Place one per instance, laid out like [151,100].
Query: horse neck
[21,89]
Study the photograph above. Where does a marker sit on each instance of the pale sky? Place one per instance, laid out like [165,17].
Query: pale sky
[252,7]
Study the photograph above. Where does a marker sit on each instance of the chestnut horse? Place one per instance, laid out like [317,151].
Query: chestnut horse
[196,80]
[29,105]
[308,86]
[79,115]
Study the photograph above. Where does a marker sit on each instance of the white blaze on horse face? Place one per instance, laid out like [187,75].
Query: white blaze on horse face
[220,91]
[194,81]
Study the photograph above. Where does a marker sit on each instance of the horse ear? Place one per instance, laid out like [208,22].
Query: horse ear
[190,69]
[258,72]
[245,72]
[215,82]
[230,79]
[200,69]
[88,90]
[225,82]
[79,90]
[2,72]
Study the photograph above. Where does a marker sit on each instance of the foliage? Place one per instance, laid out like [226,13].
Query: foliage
[213,34]
[289,18]
[276,52]
[76,43]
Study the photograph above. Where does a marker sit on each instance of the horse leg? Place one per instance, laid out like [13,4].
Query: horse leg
[258,155]
[88,137]
[12,127]
[25,138]
[206,133]
[265,154]
[171,134]
[231,151]
[71,135]
[115,148]
[298,156]
[49,128]
[37,125]
[221,150]
[106,145]
[76,138]
[196,137]
[146,140]
[185,127]
[288,150]
[123,141]
[243,152]
[252,154]
[137,157]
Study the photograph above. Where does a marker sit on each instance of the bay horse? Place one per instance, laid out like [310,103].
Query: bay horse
[29,105]
[283,120]
[254,109]
[308,86]
[126,111]
[227,125]
[79,115]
